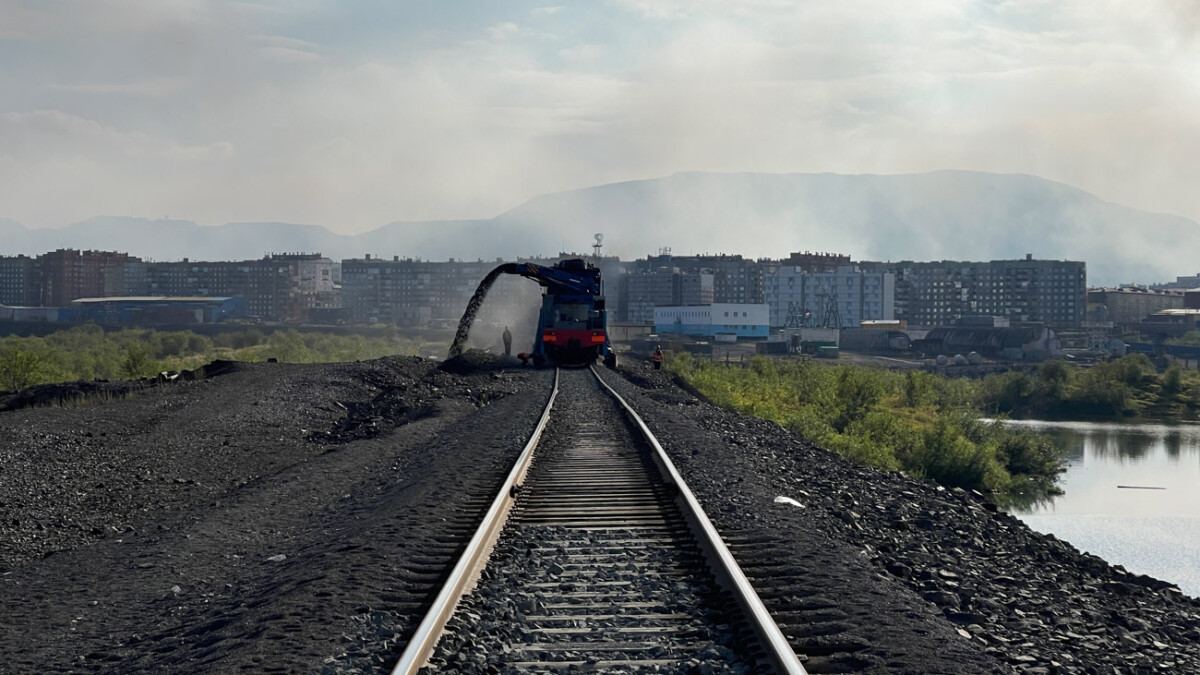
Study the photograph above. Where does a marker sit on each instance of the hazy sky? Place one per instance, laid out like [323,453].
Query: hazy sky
[354,114]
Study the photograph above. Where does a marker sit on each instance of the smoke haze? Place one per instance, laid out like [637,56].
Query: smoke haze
[357,114]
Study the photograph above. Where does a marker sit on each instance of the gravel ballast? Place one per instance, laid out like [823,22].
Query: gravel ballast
[277,519]
[945,562]
[617,586]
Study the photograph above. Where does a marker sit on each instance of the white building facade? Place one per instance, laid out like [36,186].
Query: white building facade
[717,319]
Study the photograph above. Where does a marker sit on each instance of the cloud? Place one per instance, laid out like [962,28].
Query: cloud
[504,30]
[289,55]
[318,111]
[156,87]
[59,167]
[55,132]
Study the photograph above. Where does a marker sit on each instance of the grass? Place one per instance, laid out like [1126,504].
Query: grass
[90,353]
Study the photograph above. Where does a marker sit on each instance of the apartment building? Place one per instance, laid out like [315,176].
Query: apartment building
[735,279]
[68,274]
[20,281]
[839,297]
[1025,290]
[645,289]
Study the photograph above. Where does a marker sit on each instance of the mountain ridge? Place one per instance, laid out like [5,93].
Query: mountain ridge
[942,214]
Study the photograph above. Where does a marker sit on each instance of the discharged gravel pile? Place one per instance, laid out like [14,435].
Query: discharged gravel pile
[241,523]
[1026,601]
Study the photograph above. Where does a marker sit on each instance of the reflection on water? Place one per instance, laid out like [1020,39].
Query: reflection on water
[1151,531]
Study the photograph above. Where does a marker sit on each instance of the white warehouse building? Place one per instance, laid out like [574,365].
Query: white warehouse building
[840,298]
[711,321]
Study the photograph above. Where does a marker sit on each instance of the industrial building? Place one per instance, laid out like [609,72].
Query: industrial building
[1130,304]
[841,297]
[1026,290]
[718,321]
[1011,343]
[157,310]
[38,314]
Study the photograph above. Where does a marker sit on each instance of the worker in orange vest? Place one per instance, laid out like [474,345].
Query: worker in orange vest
[657,358]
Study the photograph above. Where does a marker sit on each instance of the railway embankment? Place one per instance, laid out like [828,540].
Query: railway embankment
[299,517]
[1032,602]
[271,519]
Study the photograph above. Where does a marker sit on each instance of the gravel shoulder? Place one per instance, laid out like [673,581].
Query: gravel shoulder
[279,518]
[928,579]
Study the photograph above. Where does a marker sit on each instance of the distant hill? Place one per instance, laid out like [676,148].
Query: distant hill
[942,214]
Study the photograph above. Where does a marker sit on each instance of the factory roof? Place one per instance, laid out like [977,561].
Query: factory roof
[152,298]
[1137,289]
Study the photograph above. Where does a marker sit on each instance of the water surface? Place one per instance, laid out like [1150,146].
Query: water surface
[1150,531]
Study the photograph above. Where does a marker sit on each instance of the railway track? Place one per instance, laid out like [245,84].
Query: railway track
[595,555]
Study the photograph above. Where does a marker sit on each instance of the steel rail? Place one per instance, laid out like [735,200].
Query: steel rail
[420,647]
[780,654]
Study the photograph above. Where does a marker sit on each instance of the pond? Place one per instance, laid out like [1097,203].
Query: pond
[1131,495]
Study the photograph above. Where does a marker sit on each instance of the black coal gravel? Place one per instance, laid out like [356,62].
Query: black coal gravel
[201,528]
[911,577]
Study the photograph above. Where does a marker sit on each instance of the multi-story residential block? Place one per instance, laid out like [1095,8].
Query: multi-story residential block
[646,289]
[275,288]
[388,291]
[735,279]
[1027,290]
[841,297]
[67,274]
[20,281]
[421,294]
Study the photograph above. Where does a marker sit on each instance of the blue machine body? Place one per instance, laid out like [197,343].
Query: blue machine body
[573,322]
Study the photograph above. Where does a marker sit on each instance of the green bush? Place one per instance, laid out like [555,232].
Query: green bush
[1124,387]
[19,368]
[918,422]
